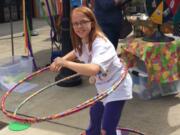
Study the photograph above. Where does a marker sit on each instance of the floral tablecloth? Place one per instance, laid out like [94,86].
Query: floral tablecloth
[162,60]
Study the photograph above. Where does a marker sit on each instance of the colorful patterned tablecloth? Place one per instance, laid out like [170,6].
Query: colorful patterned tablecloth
[162,60]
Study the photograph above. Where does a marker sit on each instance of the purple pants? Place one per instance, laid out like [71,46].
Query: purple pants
[105,117]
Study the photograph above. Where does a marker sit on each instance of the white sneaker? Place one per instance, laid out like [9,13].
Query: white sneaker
[34,33]
[118,132]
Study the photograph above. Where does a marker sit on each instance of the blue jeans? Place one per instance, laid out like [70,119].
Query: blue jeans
[105,117]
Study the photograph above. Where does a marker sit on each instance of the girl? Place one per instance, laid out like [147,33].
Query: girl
[103,65]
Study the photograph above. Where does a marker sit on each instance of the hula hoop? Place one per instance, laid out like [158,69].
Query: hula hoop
[67,112]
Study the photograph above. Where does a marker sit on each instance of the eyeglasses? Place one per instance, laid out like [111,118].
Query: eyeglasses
[82,23]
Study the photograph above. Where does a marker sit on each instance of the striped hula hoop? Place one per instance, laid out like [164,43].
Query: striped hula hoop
[86,104]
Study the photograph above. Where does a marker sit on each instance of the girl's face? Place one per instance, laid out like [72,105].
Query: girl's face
[81,25]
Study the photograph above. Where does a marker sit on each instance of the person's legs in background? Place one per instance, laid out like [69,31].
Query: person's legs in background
[29,17]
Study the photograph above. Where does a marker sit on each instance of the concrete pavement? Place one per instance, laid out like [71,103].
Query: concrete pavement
[154,117]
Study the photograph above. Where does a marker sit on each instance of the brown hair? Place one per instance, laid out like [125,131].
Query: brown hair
[95,29]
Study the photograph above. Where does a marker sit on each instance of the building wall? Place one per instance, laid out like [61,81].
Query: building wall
[6,6]
[16,10]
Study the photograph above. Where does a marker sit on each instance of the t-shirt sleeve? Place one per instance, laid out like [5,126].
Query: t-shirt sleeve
[103,53]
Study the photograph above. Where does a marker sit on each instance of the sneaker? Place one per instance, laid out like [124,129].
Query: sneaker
[34,33]
[118,132]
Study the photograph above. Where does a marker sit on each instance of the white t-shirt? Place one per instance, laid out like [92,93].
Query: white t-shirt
[104,54]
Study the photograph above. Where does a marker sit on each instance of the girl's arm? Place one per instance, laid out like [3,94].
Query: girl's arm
[70,56]
[81,68]
[56,65]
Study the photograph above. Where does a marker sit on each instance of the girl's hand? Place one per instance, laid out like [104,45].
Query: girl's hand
[57,64]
